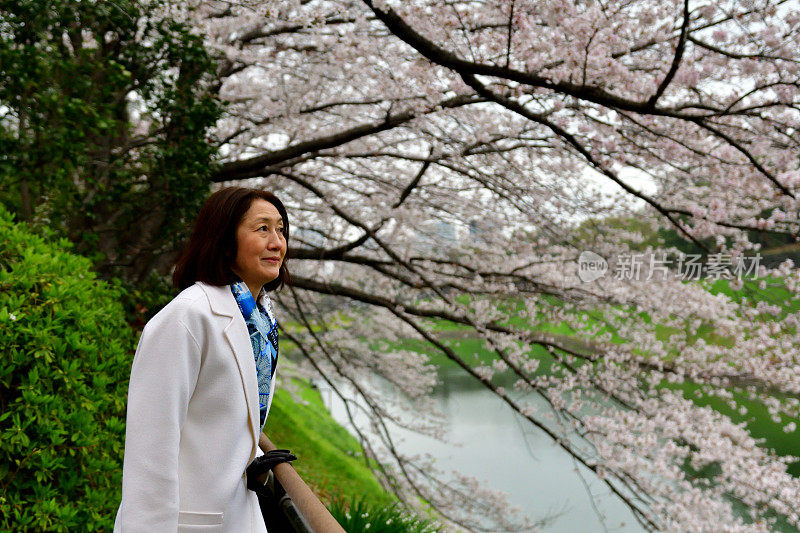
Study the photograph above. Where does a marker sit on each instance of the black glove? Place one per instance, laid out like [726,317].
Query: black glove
[265,463]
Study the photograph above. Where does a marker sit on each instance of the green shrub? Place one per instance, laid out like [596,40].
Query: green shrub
[363,516]
[65,352]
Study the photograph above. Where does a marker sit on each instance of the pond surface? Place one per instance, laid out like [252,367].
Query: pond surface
[492,443]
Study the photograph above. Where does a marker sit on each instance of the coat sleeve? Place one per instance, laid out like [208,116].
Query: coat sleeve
[163,377]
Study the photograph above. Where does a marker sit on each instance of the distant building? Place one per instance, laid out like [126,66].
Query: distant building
[308,237]
[436,237]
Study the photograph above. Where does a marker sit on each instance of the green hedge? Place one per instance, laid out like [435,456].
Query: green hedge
[65,352]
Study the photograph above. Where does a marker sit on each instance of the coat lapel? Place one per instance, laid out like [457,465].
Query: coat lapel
[223,303]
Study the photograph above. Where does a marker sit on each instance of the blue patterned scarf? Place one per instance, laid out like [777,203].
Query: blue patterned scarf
[263,329]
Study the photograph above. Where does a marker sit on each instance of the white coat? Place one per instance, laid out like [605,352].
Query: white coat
[192,420]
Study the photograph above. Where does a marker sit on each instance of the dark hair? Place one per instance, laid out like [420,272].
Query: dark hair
[212,247]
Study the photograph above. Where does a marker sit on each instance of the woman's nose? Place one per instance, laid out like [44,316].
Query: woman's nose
[275,241]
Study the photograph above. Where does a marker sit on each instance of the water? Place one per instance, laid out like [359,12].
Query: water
[494,444]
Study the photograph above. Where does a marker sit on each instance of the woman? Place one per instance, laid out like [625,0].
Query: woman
[203,375]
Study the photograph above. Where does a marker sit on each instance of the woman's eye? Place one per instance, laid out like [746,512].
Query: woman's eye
[280,230]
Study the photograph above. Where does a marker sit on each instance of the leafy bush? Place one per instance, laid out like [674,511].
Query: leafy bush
[65,353]
[361,515]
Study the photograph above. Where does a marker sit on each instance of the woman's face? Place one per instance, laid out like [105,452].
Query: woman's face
[260,245]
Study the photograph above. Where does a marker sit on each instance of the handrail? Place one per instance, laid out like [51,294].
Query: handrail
[311,509]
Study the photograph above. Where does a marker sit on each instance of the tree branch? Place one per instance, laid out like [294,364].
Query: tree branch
[676,60]
[254,166]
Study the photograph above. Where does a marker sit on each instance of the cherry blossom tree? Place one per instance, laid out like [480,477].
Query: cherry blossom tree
[376,119]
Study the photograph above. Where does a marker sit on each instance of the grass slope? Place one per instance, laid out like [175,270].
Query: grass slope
[329,457]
